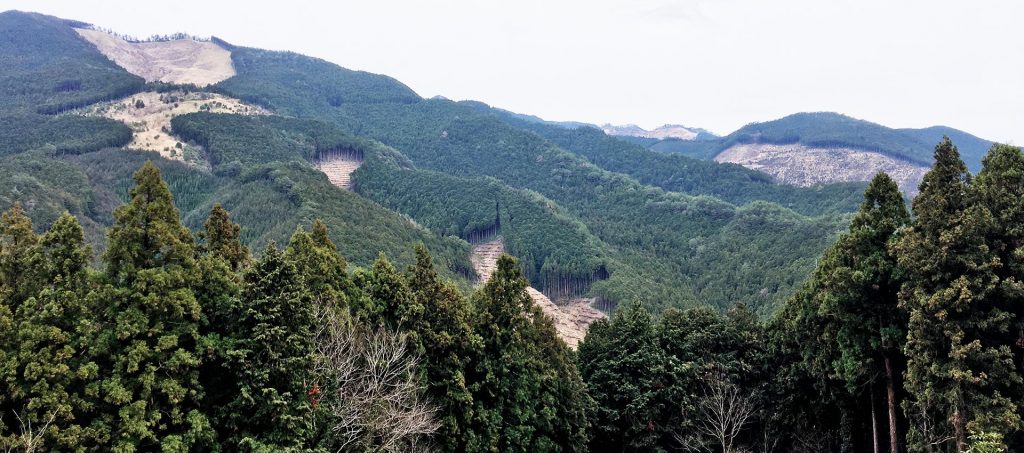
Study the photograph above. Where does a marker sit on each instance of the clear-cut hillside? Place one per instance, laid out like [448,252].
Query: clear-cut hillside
[339,168]
[805,166]
[184,61]
[571,318]
[663,132]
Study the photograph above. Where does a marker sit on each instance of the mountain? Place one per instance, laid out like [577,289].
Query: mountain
[668,131]
[285,138]
[807,149]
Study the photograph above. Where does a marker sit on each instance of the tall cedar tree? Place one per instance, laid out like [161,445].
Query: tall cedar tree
[858,289]
[57,372]
[154,318]
[447,343]
[322,268]
[18,280]
[272,360]
[518,403]
[1000,188]
[624,368]
[218,289]
[384,297]
[958,370]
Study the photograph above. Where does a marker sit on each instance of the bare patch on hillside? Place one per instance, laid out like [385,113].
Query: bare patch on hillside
[149,116]
[804,166]
[339,168]
[179,61]
[572,319]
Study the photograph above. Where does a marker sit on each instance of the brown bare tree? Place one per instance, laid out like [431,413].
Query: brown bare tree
[369,388]
[723,412]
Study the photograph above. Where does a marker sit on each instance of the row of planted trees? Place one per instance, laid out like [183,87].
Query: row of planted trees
[909,336]
[182,344]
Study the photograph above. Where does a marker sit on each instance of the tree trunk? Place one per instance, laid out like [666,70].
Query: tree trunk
[890,391]
[958,429]
[874,420]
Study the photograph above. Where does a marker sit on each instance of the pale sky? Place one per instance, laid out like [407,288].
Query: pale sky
[716,64]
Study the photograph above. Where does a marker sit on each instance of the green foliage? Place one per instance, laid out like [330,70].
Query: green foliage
[527,395]
[64,134]
[151,344]
[272,361]
[732,183]
[49,69]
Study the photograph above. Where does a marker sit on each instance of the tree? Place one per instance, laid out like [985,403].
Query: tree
[723,411]
[448,345]
[859,293]
[955,361]
[519,405]
[367,385]
[623,365]
[222,237]
[384,298]
[272,363]
[322,268]
[57,372]
[18,266]
[151,343]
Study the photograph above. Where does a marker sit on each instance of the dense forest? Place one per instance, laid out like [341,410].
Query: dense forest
[907,337]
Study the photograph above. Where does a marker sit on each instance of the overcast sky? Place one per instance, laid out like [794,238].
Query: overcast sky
[717,64]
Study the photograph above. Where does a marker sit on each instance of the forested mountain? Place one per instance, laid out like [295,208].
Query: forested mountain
[744,314]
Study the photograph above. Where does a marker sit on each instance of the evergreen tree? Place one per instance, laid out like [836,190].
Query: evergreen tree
[218,291]
[153,338]
[858,287]
[384,297]
[18,266]
[448,345]
[322,268]
[56,370]
[623,366]
[272,361]
[957,370]
[520,357]
[222,237]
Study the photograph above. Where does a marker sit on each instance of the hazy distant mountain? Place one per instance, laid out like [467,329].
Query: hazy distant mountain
[664,132]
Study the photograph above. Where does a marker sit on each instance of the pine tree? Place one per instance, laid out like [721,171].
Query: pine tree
[153,338]
[623,366]
[858,288]
[57,372]
[956,367]
[447,343]
[272,363]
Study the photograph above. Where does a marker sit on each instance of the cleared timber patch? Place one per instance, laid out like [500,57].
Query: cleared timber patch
[339,166]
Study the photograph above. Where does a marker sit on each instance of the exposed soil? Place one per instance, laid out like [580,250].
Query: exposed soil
[804,166]
[339,170]
[150,120]
[572,319]
[179,61]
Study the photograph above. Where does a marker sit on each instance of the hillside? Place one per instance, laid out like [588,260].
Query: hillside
[290,138]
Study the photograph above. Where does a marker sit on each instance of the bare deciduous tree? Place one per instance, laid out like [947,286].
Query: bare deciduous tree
[30,439]
[369,387]
[722,413]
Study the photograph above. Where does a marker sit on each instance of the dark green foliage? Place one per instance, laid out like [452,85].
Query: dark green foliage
[826,129]
[49,69]
[272,361]
[527,395]
[293,84]
[624,368]
[958,369]
[732,183]
[151,344]
[972,149]
[64,134]
[448,344]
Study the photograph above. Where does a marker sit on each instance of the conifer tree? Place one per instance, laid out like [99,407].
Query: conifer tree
[322,268]
[152,341]
[957,369]
[623,366]
[273,359]
[18,264]
[858,288]
[447,343]
[384,297]
[222,237]
[512,409]
[57,372]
